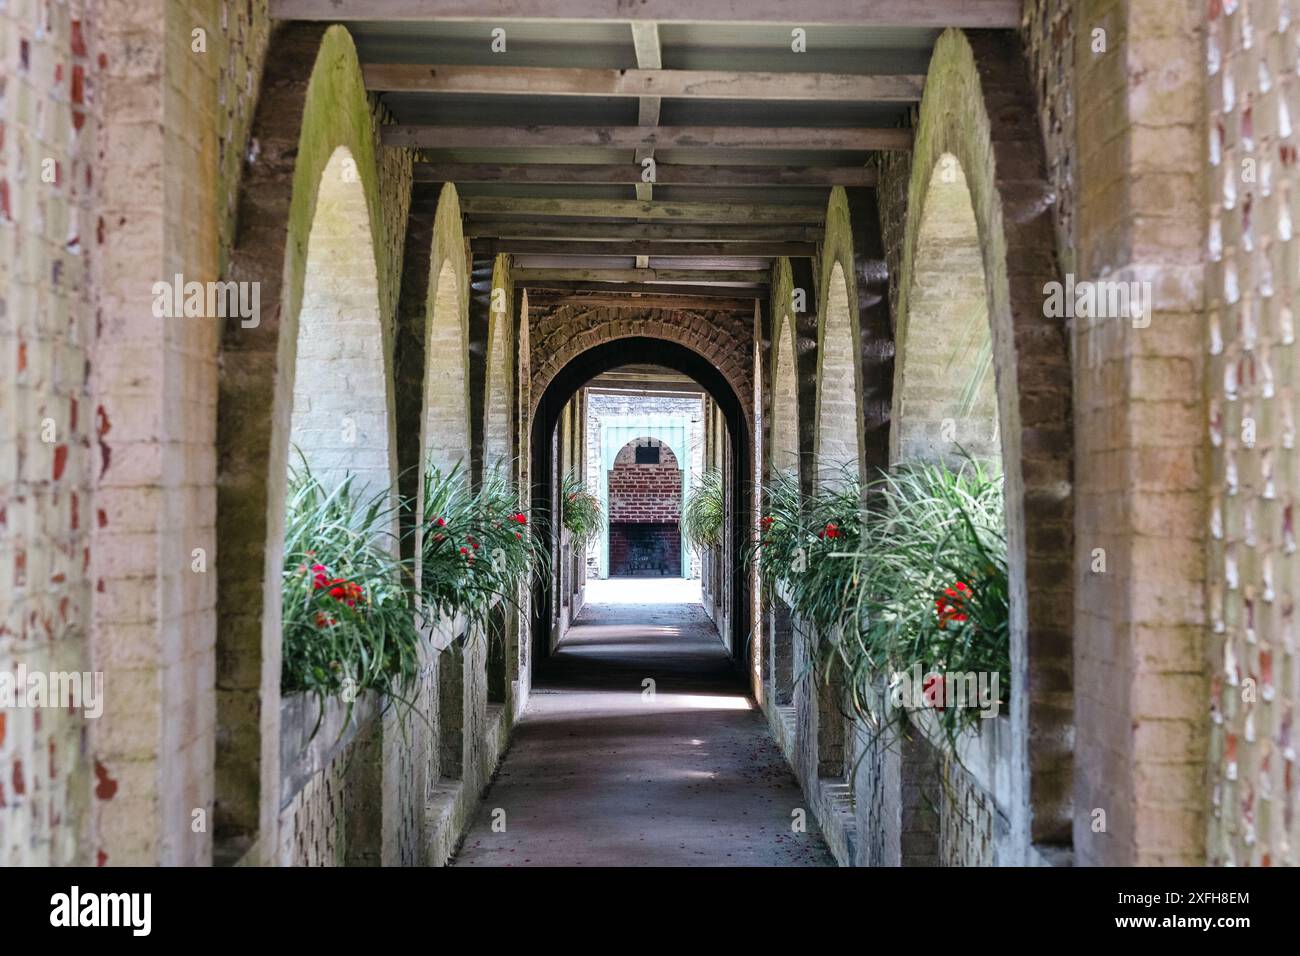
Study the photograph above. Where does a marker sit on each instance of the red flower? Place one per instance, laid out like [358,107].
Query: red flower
[349,592]
[464,550]
[470,539]
[767,523]
[324,620]
[951,605]
[519,534]
[440,522]
[521,518]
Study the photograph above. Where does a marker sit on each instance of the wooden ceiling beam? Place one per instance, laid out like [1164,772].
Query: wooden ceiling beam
[629,173]
[645,39]
[527,276]
[629,248]
[802,138]
[491,228]
[652,211]
[602,301]
[694,290]
[645,82]
[935,14]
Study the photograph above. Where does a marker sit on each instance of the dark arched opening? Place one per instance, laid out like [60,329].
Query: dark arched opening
[545,477]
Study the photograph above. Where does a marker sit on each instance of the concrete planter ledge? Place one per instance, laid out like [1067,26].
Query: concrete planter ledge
[303,756]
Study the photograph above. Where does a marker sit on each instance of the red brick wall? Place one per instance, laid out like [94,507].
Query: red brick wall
[645,493]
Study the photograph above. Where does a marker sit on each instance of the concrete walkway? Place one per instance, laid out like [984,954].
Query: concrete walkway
[599,775]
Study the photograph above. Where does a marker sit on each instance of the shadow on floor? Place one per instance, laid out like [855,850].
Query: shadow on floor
[601,773]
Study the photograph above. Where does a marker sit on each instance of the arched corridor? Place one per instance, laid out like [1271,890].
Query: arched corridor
[589,433]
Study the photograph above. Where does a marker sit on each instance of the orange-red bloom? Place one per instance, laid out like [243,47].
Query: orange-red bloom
[951,605]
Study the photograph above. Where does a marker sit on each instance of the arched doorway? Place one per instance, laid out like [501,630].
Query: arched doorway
[546,457]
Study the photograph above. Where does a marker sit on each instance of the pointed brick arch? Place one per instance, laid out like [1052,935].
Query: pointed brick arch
[979,109]
[313,102]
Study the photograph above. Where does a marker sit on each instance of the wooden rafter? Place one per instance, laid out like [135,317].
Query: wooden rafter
[647,83]
[867,13]
[633,247]
[846,139]
[603,301]
[725,212]
[645,38]
[627,173]
[493,228]
[645,288]
[538,276]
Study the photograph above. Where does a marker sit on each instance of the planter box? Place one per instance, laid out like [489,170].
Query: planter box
[303,756]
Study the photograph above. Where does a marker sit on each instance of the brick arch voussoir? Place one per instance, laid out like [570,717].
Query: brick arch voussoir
[711,335]
[978,105]
[312,101]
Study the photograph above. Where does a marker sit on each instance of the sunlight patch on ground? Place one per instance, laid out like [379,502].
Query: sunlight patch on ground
[643,591]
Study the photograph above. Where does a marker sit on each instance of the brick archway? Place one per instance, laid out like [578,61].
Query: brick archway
[979,109]
[550,398]
[723,338]
[313,102]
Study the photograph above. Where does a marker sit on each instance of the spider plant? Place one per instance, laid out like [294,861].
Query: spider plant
[581,512]
[807,547]
[477,546]
[933,584]
[918,578]
[705,511]
[347,616]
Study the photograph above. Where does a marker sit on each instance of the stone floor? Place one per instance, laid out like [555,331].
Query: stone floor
[599,774]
